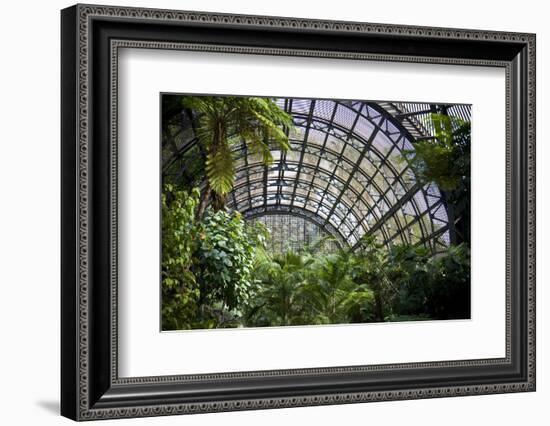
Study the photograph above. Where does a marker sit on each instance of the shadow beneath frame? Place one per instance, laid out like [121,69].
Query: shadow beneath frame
[50,406]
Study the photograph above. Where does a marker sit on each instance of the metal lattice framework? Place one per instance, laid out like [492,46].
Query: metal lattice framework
[346,172]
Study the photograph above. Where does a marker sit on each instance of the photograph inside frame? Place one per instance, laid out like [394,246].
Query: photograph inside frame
[307,212]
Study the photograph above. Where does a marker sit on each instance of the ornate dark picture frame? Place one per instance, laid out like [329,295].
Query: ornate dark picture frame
[90,385]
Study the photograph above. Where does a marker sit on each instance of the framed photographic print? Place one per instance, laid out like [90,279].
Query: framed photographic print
[263,212]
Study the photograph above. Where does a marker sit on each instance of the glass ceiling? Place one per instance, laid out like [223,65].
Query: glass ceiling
[346,172]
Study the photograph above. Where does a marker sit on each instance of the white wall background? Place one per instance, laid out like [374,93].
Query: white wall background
[29,212]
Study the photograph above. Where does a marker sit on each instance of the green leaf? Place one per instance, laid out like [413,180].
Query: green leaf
[220,170]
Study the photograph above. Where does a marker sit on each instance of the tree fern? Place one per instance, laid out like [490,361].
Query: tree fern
[220,170]
[224,121]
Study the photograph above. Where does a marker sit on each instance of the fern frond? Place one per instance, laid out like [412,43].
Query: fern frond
[220,170]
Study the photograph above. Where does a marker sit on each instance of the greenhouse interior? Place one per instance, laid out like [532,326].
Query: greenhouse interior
[293,212]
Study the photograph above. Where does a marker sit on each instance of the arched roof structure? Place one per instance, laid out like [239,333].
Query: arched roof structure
[346,172]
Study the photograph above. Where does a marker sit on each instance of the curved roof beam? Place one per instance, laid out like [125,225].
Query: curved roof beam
[298,199]
[310,176]
[331,153]
[347,169]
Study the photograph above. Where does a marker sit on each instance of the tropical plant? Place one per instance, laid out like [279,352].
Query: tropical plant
[445,160]
[301,288]
[408,270]
[224,121]
[217,273]
[435,287]
[371,270]
[180,291]
[279,296]
[332,294]
[207,265]
[225,257]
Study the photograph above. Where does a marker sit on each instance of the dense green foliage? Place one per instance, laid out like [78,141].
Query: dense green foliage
[370,284]
[216,274]
[180,291]
[206,265]
[224,260]
[445,160]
